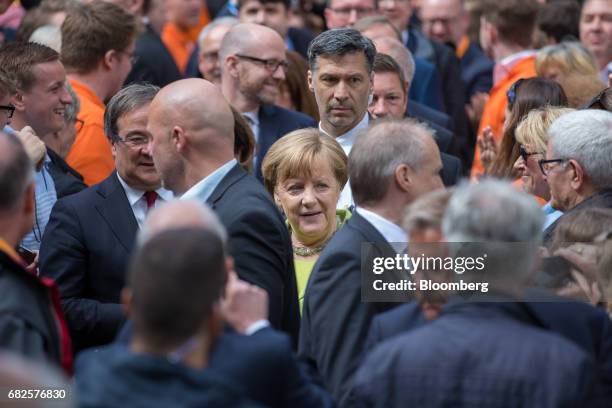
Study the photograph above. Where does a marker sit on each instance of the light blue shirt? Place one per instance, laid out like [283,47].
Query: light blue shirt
[551,215]
[202,190]
[45,197]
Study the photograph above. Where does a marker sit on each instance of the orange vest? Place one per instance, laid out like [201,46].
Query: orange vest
[91,153]
[494,111]
[180,42]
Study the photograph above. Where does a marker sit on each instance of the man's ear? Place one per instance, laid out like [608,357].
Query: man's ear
[578,176]
[17,99]
[126,300]
[404,177]
[231,65]
[309,78]
[178,138]
[109,59]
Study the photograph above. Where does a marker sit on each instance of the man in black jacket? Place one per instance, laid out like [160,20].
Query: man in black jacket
[192,145]
[31,322]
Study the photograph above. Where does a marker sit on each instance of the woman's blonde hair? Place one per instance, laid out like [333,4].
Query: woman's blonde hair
[570,57]
[532,131]
[297,153]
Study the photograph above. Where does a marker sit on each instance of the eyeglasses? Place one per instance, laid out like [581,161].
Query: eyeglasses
[525,154]
[78,125]
[511,94]
[10,109]
[270,64]
[545,165]
[359,11]
[133,141]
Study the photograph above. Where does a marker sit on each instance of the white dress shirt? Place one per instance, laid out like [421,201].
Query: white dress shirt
[346,141]
[392,232]
[138,203]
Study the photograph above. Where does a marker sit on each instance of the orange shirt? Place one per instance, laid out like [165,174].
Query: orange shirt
[91,154]
[495,109]
[181,42]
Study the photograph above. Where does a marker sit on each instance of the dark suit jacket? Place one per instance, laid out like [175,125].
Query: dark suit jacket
[85,249]
[603,199]
[260,244]
[452,171]
[155,65]
[422,112]
[274,123]
[453,92]
[425,86]
[476,71]
[301,39]
[334,320]
[476,354]
[67,180]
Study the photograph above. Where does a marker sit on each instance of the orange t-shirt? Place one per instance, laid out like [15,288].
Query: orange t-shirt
[91,154]
[495,109]
[180,42]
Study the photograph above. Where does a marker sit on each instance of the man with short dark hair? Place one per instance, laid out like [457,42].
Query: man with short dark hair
[275,14]
[31,321]
[387,170]
[40,99]
[390,97]
[340,75]
[97,51]
[596,34]
[91,234]
[506,35]
[173,303]
[253,63]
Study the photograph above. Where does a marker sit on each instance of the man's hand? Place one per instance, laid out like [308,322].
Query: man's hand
[243,304]
[488,149]
[34,147]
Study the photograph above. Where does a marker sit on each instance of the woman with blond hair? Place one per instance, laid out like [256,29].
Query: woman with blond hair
[305,172]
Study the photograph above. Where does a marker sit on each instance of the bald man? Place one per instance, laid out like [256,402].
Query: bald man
[192,145]
[253,64]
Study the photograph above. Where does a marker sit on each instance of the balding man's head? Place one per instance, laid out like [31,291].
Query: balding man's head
[181,214]
[253,63]
[192,129]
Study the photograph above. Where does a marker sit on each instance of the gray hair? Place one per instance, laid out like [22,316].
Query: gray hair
[73,109]
[49,35]
[340,42]
[427,211]
[585,136]
[401,54]
[182,214]
[377,153]
[126,100]
[363,24]
[16,171]
[228,21]
[506,224]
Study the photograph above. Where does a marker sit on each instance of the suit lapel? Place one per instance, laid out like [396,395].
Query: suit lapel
[114,207]
[234,175]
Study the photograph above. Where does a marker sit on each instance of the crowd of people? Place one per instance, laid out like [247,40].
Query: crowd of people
[192,191]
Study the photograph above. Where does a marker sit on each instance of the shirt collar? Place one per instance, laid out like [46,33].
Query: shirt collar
[389,230]
[86,92]
[253,115]
[347,139]
[133,195]
[511,60]
[202,190]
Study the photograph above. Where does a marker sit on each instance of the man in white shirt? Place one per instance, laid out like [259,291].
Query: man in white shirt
[90,235]
[340,76]
[390,165]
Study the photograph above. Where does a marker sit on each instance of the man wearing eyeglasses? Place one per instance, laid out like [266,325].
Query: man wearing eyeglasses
[578,163]
[344,13]
[252,66]
[90,235]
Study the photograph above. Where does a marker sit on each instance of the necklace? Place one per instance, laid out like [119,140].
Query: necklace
[303,251]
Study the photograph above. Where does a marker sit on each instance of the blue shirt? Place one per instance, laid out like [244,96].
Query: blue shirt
[202,190]
[551,215]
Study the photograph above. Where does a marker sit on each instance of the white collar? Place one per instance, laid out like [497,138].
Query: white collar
[510,60]
[347,139]
[389,230]
[134,195]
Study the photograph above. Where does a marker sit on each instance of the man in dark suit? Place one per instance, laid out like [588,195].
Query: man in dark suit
[335,321]
[252,65]
[389,101]
[193,149]
[154,64]
[91,233]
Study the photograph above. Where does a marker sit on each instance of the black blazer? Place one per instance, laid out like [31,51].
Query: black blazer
[85,249]
[274,123]
[155,65]
[301,39]
[335,322]
[260,244]
[476,71]
[417,110]
[452,171]
[67,180]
